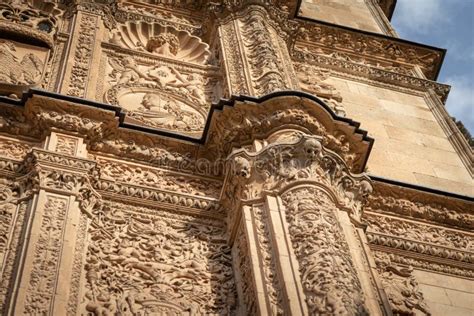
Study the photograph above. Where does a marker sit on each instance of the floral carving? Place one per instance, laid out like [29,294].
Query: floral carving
[8,199]
[82,56]
[272,283]
[46,256]
[156,263]
[329,279]
[419,232]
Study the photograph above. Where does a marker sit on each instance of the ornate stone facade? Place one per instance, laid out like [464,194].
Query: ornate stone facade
[201,158]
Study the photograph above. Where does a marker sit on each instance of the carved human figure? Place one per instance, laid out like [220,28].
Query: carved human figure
[191,83]
[166,112]
[165,44]
[128,71]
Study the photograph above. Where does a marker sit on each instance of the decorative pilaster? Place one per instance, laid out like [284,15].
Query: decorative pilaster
[56,184]
[79,70]
[255,56]
[297,207]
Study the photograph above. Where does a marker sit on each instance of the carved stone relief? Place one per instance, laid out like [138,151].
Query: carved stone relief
[162,41]
[162,263]
[29,18]
[312,81]
[401,287]
[328,276]
[8,201]
[21,66]
[159,95]
[47,254]
[244,276]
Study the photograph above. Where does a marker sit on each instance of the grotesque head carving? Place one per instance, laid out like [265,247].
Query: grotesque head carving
[312,148]
[241,167]
[365,188]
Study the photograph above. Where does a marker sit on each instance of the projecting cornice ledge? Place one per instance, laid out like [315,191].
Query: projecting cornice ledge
[399,55]
[237,122]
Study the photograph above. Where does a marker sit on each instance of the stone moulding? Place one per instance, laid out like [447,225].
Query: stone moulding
[98,121]
[319,35]
[439,208]
[372,73]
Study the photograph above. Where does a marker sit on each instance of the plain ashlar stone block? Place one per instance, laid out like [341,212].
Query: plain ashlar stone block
[418,138]
[417,125]
[411,164]
[444,184]
[435,294]
[443,280]
[437,309]
[428,154]
[461,299]
[407,110]
[391,173]
[453,173]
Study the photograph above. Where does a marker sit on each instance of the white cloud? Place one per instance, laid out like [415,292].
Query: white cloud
[460,103]
[420,16]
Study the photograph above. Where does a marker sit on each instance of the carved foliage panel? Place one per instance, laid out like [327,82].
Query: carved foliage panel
[268,69]
[11,221]
[147,261]
[328,275]
[46,256]
[82,56]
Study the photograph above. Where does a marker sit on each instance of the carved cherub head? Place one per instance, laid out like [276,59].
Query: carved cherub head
[164,44]
[242,167]
[312,148]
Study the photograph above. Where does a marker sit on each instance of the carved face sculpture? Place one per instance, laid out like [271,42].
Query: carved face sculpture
[365,187]
[312,148]
[242,167]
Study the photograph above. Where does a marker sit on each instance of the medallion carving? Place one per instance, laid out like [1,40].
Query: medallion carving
[159,96]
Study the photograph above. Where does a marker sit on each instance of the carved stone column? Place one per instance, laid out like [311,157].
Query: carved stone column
[255,56]
[56,183]
[294,213]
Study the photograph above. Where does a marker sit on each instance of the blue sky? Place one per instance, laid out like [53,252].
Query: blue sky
[446,24]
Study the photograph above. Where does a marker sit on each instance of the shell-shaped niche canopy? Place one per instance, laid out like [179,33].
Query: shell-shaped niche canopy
[162,40]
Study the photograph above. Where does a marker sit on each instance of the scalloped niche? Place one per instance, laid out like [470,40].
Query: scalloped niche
[162,41]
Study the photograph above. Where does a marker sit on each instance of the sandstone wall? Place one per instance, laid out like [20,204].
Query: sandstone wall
[355,13]
[446,295]
[410,145]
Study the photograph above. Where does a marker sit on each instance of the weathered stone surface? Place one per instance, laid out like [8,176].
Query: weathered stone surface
[205,158]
